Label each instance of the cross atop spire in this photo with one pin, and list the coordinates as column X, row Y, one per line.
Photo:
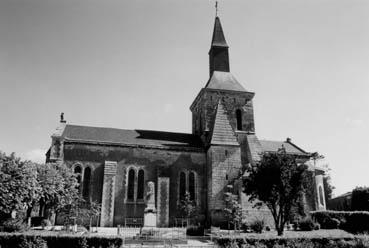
column 216, row 8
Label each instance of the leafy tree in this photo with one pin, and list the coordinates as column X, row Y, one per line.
column 360, row 199
column 278, row 181
column 188, row 207
column 233, row 209
column 59, row 186
column 19, row 186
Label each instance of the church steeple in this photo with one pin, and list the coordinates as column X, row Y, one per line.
column 218, row 54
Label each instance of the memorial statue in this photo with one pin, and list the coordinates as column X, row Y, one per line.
column 150, row 197
column 150, row 210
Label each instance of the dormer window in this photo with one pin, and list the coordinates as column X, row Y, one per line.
column 239, row 119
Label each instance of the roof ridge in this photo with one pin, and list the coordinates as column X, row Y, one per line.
column 123, row 129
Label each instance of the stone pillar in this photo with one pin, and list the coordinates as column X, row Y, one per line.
column 107, row 203
column 163, row 202
column 320, row 192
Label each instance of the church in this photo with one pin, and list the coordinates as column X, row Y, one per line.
column 116, row 165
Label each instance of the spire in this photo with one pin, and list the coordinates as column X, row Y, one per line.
column 218, row 54
column 218, row 39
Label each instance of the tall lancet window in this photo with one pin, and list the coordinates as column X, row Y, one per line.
column 191, row 185
column 86, row 183
column 239, row 119
column 131, row 185
column 182, row 185
column 140, row 185
column 78, row 172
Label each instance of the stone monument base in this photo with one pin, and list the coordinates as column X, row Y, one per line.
column 150, row 219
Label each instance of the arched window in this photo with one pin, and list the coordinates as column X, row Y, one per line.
column 191, row 185
column 321, row 200
column 239, row 119
column 182, row 185
column 78, row 172
column 86, row 183
column 140, row 184
column 131, row 185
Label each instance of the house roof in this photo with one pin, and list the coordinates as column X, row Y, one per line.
column 218, row 39
column 223, row 133
column 116, row 136
column 224, row 81
column 274, row 146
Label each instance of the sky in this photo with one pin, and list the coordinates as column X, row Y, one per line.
column 140, row 64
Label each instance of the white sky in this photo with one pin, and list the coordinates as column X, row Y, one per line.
column 139, row 64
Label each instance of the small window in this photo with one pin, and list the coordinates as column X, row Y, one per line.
column 131, row 185
column 140, row 185
column 239, row 119
column 226, row 153
column 86, row 183
column 227, row 177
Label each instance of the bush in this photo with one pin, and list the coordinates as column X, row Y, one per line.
column 195, row 231
column 34, row 242
column 12, row 240
column 351, row 221
column 45, row 223
column 257, row 226
column 307, row 224
column 14, row 225
column 281, row 242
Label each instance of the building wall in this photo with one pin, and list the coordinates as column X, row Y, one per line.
column 224, row 167
column 154, row 162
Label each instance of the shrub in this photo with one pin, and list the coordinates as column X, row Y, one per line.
column 281, row 242
column 306, row 224
column 34, row 242
column 45, row 223
column 351, row 221
column 195, row 231
column 12, row 240
column 257, row 226
column 14, row 225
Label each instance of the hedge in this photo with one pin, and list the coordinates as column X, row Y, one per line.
column 351, row 221
column 14, row 240
column 355, row 242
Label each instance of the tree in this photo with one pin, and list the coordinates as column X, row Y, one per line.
column 188, row 207
column 360, row 199
column 233, row 209
column 19, row 186
column 59, row 187
column 278, row 181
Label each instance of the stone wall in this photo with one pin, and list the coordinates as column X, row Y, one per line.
column 204, row 110
column 224, row 167
column 155, row 163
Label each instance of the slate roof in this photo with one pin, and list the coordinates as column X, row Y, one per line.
column 224, row 81
column 218, row 39
column 116, row 136
column 273, row 146
column 222, row 133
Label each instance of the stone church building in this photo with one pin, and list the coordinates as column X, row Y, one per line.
column 115, row 164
